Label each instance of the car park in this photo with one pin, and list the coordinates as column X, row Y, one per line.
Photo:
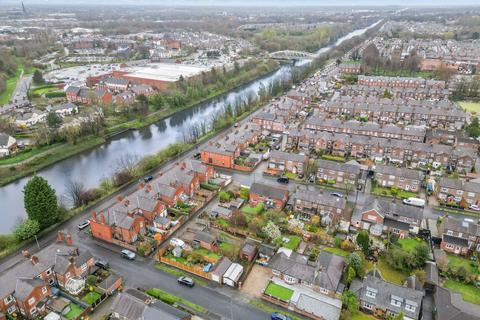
column 127, row 254
column 186, row 281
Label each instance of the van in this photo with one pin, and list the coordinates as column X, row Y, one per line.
column 414, row 202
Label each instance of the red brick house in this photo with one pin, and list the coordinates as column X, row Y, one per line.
column 273, row 197
column 283, row 161
column 117, row 223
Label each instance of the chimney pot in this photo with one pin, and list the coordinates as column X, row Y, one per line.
column 69, row 239
column 94, row 216
column 26, row 253
column 61, row 236
column 102, row 218
column 34, row 259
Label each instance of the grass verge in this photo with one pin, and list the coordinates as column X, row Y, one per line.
column 179, row 273
column 468, row 292
column 270, row 309
column 173, row 299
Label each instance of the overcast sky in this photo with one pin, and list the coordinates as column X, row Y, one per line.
column 255, row 2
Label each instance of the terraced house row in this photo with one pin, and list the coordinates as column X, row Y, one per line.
column 451, row 118
column 400, row 82
column 383, row 150
column 397, row 93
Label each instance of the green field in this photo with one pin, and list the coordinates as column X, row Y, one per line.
column 279, row 292
column 10, row 86
column 45, row 89
column 468, row 292
column 470, row 106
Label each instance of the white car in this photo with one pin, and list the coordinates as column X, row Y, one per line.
column 175, row 242
column 474, row 207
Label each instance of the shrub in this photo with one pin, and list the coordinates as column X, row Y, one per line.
column 209, row 187
column 91, row 280
column 26, row 229
column 244, row 193
column 224, row 196
column 55, row 94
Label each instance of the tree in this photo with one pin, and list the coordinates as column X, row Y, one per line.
column 74, row 192
column 363, row 241
column 26, row 229
column 473, row 129
column 54, row 121
column 356, row 261
column 349, row 299
column 40, row 201
column 351, row 274
column 272, row 231
column 38, row 77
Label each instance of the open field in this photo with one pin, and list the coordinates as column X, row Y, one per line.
column 470, row 106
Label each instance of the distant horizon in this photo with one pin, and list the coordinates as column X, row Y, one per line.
column 251, row 3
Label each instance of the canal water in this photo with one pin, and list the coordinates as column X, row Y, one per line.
column 91, row 166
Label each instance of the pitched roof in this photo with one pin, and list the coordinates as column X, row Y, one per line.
column 294, row 266
column 331, row 270
column 319, row 198
column 462, row 242
column 268, row 191
column 451, row 306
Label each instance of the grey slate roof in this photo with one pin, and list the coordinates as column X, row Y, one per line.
column 320, row 198
column 462, row 242
column 399, row 172
column 336, row 166
column 451, row 306
column 286, row 156
column 322, row 306
column 331, row 269
column 294, row 266
column 385, row 291
column 268, row 191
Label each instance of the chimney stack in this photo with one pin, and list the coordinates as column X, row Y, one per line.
column 94, row 216
column 141, row 185
column 26, row 253
column 34, row 260
column 61, row 236
column 102, row 218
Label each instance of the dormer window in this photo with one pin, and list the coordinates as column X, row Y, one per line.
column 371, row 292
column 396, row 301
column 411, row 305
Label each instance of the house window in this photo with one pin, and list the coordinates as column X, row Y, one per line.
column 12, row 309
column 44, row 290
column 8, row 299
column 323, row 290
column 48, row 272
column 450, row 232
column 410, row 308
column 396, row 301
column 371, row 293
column 31, row 301
column 67, row 275
column 459, row 192
column 368, row 306
column 289, row 279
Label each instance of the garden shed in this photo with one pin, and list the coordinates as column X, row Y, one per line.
column 233, row 274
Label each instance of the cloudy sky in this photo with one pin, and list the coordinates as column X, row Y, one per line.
column 254, row 2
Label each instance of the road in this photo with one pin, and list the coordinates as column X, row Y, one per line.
column 19, row 95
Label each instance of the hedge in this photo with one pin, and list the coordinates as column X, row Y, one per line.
column 55, row 94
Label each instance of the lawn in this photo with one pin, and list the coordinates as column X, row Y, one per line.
column 468, row 292
column 408, row 244
column 225, row 246
column 455, row 261
column 361, row 316
column 470, row 106
column 279, row 292
column 337, row 251
column 293, row 242
column 208, row 253
column 253, row 210
column 388, row 192
column 178, row 273
column 74, row 312
column 291, row 175
column 176, row 259
column 390, row 274
column 91, row 297
column 172, row 299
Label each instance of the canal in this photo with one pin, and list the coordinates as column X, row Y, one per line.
column 91, row 166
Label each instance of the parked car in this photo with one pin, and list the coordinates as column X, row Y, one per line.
column 84, row 224
column 474, row 207
column 186, row 281
column 283, row 180
column 102, row 264
column 175, row 242
column 414, row 202
column 148, row 179
column 197, row 156
column 279, row 316
column 127, row 254
column 336, row 194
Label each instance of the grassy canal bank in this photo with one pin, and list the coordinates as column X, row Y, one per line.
column 28, row 162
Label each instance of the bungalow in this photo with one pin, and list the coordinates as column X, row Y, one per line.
column 400, row 178
column 8, row 145
column 274, row 197
column 290, row 162
column 460, row 236
column 378, row 215
column 205, row 240
column 307, row 203
column 64, row 109
column 322, row 275
column 384, row 299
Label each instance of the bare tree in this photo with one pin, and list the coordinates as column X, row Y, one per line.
column 127, row 163
column 74, row 191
